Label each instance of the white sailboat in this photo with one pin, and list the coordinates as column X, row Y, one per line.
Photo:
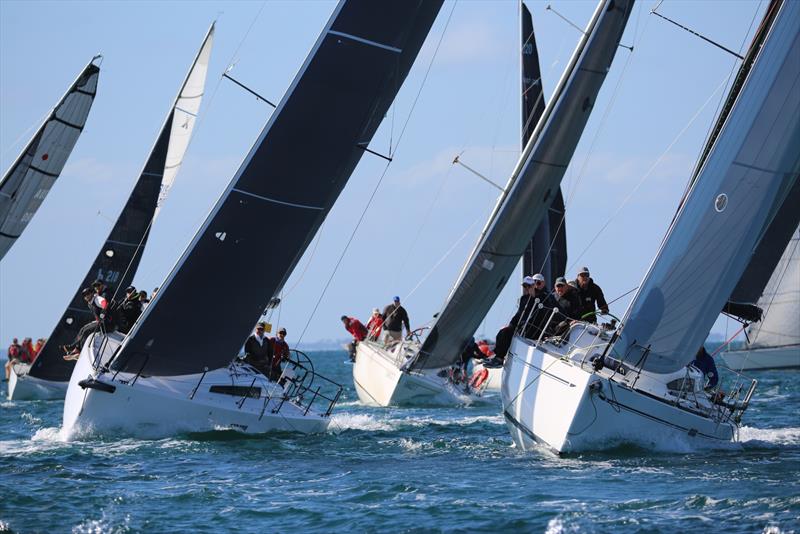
column 417, row 372
column 596, row 387
column 160, row 377
column 774, row 342
column 118, row 259
column 29, row 179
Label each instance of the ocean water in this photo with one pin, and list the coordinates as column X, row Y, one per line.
column 406, row 470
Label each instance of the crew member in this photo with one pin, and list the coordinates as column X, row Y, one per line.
column 258, row 351
column 14, row 351
column 590, row 296
column 73, row 349
column 565, row 298
column 506, row 334
column 357, row 330
column 280, row 353
column 374, row 325
column 395, row 318
column 705, row 364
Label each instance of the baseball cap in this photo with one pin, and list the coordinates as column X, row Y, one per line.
column 584, row 270
column 561, row 281
column 528, row 281
column 538, row 277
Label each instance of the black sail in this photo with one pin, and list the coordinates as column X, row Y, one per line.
column 547, row 250
column 282, row 192
column 118, row 260
column 29, row 179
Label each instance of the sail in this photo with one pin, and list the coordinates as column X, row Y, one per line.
column 764, row 260
column 539, row 257
column 780, row 301
column 746, row 176
column 279, row 197
column 27, row 182
column 119, row 257
column 530, row 190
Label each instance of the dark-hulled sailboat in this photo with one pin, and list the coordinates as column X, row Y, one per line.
column 160, row 377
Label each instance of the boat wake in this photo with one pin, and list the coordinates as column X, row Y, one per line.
column 751, row 437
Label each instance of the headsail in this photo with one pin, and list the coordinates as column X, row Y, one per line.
column 749, row 171
column 530, row 190
column 119, row 257
column 781, row 303
column 264, row 221
column 547, row 249
column 27, row 182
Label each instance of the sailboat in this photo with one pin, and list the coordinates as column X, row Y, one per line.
column 546, row 252
column 160, row 377
column 595, row 386
column 118, row 259
column 774, row 342
column 416, row 372
column 28, row 181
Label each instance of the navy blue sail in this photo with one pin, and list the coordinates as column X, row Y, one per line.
column 118, row 260
column 283, row 191
column 547, row 250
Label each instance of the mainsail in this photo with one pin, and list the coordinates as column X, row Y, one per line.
column 287, row 184
column 547, row 250
column 749, row 171
column 119, row 257
column 530, row 190
column 781, row 303
column 29, row 179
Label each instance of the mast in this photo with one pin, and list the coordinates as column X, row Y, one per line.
column 530, row 190
column 547, row 250
column 29, row 179
column 748, row 173
column 279, row 197
column 118, row 259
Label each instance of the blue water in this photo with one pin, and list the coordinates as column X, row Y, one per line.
column 415, row 470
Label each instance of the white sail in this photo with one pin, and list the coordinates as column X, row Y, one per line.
column 186, row 108
column 780, row 301
column 751, row 168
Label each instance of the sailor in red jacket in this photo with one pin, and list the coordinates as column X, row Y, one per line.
column 280, row 353
column 358, row 331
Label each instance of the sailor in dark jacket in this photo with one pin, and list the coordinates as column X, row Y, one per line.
column 704, row 362
column 129, row 311
column 258, row 350
column 590, row 296
column 565, row 298
column 526, row 309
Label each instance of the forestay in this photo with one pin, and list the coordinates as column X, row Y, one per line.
column 547, row 250
column 745, row 178
column 118, row 259
column 27, row 182
column 263, row 222
column 530, row 190
column 781, row 302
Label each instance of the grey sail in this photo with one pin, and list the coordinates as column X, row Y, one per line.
column 279, row 197
column 547, row 250
column 748, row 173
column 118, row 259
column 530, row 190
column 27, row 182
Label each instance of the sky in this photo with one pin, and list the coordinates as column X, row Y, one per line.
column 621, row 189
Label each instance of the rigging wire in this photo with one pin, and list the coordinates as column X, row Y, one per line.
column 380, row 180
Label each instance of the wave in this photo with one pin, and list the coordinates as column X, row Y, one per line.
column 770, row 437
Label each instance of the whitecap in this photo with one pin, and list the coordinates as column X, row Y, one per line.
column 750, row 436
column 357, row 421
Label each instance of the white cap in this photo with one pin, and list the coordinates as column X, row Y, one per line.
column 375, row 310
column 538, row 277
column 528, row 281
column 584, row 270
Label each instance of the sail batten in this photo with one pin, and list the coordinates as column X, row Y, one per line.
column 303, row 157
column 118, row 259
column 46, row 154
column 746, row 176
column 529, row 195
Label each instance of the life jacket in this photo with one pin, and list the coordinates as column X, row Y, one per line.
column 478, row 378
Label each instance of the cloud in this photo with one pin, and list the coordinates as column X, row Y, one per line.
column 469, row 42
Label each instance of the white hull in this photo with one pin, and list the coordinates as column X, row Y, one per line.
column 159, row 406
column 494, row 382
column 551, row 399
column 749, row 360
column 379, row 381
column 22, row 386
